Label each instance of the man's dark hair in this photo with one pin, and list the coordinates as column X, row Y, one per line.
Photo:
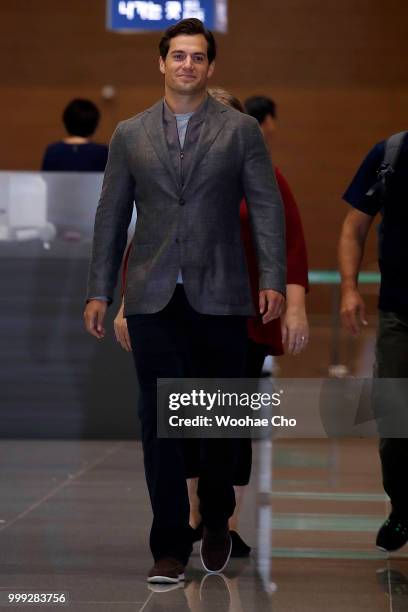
column 189, row 27
column 260, row 107
column 81, row 118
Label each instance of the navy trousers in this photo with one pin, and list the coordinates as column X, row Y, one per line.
column 179, row 342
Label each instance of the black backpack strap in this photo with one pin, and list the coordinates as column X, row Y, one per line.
column 392, row 150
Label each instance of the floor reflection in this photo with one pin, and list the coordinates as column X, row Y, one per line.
column 74, row 518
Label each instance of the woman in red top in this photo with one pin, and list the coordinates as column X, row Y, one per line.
column 263, row 339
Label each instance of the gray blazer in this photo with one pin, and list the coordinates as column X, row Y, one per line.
column 194, row 227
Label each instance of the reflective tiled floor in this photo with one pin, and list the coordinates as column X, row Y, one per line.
column 74, row 518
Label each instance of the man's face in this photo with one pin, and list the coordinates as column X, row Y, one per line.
column 268, row 127
column 186, row 69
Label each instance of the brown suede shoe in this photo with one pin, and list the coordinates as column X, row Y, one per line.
column 167, row 570
column 215, row 549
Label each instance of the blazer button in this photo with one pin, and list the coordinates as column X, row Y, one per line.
column 182, row 202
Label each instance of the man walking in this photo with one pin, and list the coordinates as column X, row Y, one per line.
column 369, row 195
column 186, row 162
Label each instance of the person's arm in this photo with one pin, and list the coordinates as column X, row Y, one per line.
column 350, row 253
column 353, row 237
column 294, row 324
column 267, row 222
column 125, row 267
column 120, row 324
column 121, row 329
column 112, row 219
column 296, row 253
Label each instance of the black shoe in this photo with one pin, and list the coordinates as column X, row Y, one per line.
column 239, row 548
column 393, row 534
column 197, row 533
column 215, row 548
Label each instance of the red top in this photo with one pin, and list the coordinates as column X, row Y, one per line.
column 296, row 266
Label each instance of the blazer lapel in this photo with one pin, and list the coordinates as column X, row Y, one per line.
column 213, row 124
column 153, row 124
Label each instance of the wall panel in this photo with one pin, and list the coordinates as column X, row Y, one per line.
column 338, row 71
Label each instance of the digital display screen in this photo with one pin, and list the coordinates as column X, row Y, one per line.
column 146, row 15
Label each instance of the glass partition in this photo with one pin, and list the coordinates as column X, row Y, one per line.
column 53, row 379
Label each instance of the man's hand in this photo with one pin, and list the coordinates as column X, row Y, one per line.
column 271, row 304
column 94, row 316
column 121, row 330
column 352, row 311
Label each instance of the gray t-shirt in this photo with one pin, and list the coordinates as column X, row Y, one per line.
column 182, row 123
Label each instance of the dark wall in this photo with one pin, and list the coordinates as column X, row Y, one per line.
column 338, row 71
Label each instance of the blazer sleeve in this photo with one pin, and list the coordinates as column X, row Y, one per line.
column 296, row 254
column 112, row 219
column 265, row 210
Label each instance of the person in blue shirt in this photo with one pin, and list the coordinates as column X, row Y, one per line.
column 76, row 152
column 392, row 338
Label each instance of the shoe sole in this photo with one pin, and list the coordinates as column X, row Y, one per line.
column 212, row 571
column 389, row 550
column 165, row 579
column 164, row 588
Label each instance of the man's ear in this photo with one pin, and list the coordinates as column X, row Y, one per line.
column 162, row 67
column 211, row 69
